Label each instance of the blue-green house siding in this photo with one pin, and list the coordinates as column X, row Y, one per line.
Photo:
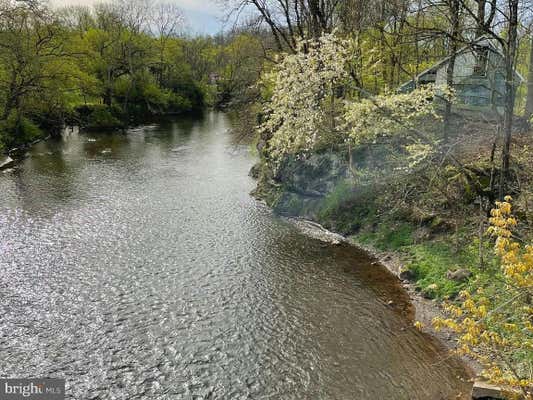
column 480, row 85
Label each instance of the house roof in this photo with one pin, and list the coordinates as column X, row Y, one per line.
column 468, row 47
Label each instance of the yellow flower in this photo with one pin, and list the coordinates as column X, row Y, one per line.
column 486, row 330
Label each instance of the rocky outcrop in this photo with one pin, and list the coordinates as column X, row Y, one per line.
column 406, row 275
column 6, row 162
column 317, row 231
column 484, row 391
column 305, row 183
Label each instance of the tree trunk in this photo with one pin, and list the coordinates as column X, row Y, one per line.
column 480, row 31
column 108, row 95
column 510, row 90
column 417, row 35
column 484, row 20
column 529, row 102
column 107, row 99
column 454, row 11
column 316, row 18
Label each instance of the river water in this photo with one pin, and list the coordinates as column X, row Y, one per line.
column 138, row 267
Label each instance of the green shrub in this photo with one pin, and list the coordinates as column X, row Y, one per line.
column 103, row 119
column 347, row 208
column 99, row 117
column 333, row 201
column 430, row 262
column 156, row 97
column 18, row 130
column 387, row 236
column 188, row 94
column 179, row 103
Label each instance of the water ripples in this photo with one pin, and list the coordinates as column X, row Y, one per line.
column 147, row 272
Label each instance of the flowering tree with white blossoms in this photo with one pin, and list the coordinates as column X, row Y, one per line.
column 386, row 114
column 305, row 112
column 391, row 114
column 304, row 83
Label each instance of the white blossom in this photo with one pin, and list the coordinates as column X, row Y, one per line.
column 301, row 84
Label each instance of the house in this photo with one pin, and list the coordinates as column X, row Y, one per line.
column 478, row 79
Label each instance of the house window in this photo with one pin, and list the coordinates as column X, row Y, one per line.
column 482, row 57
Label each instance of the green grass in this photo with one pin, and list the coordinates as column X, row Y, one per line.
column 346, row 209
column 430, row 260
column 387, row 236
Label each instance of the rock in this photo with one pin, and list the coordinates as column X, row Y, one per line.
column 486, row 391
column 261, row 145
column 17, row 152
column 406, row 274
column 307, row 181
column 317, row 231
column 7, row 162
column 421, row 234
column 255, row 171
column 460, row 275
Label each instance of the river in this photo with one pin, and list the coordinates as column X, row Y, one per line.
column 138, row 267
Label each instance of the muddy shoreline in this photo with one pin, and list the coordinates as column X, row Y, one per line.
column 424, row 309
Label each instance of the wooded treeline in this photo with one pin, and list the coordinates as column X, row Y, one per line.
column 394, row 41
column 118, row 63
column 400, row 38
column 110, row 66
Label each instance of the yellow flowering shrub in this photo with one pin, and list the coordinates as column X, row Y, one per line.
column 495, row 325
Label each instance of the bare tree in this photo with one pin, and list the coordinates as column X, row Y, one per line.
column 484, row 20
column 454, row 7
column 510, row 91
column 136, row 15
column 291, row 20
column 529, row 101
column 166, row 23
column 503, row 28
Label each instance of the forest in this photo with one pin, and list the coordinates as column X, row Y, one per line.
column 109, row 66
column 402, row 124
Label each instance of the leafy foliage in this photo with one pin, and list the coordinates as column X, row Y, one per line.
column 496, row 326
column 388, row 113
